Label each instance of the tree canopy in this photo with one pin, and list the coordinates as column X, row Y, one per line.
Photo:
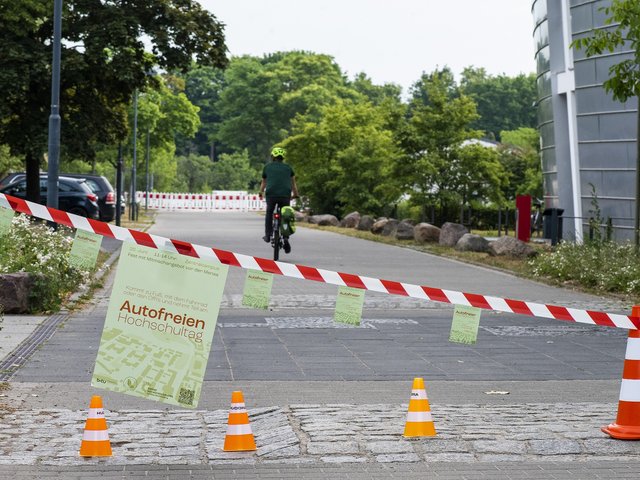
column 104, row 60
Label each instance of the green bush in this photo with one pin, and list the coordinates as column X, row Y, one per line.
column 33, row 247
column 606, row 266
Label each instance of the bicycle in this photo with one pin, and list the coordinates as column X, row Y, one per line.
column 276, row 238
column 536, row 217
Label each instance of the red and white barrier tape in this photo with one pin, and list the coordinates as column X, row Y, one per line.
column 319, row 275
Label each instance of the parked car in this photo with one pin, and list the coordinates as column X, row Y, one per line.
column 74, row 195
column 98, row 185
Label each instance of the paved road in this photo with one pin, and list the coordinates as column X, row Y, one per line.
column 294, row 366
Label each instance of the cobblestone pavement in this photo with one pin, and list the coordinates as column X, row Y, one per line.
column 324, row 434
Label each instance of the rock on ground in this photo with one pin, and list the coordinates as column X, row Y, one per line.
column 450, row 233
column 512, row 247
column 350, row 221
column 425, row 232
column 470, row 242
column 404, row 231
column 365, row 223
column 14, row 292
column 324, row 220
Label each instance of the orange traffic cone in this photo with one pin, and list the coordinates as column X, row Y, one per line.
column 627, row 426
column 239, row 435
column 95, row 441
column 419, row 421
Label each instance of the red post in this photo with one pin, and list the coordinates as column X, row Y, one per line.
column 523, row 206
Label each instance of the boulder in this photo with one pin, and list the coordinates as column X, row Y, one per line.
column 404, row 231
column 324, row 220
column 378, row 225
column 425, row 232
column 14, row 291
column 365, row 223
column 450, row 233
column 390, row 227
column 350, row 221
column 470, row 242
column 411, row 221
column 301, row 217
column 512, row 247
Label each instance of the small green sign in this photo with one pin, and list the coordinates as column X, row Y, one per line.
column 349, row 306
column 6, row 217
column 85, row 249
column 257, row 289
column 464, row 328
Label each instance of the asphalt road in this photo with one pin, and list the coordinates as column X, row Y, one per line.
column 399, row 339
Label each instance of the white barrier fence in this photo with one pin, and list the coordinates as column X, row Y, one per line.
column 215, row 201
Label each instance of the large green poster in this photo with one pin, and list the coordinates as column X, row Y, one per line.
column 159, row 327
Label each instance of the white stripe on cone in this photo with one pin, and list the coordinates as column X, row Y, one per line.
column 418, row 395
column 630, row 390
column 633, row 349
column 96, row 413
column 95, row 435
column 419, row 417
column 239, row 430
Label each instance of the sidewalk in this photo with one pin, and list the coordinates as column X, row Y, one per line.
column 312, row 429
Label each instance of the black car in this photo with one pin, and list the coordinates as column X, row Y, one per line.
column 98, row 185
column 103, row 189
column 74, row 195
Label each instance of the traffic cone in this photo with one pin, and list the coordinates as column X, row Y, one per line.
column 239, row 435
column 627, row 426
column 419, row 421
column 95, row 441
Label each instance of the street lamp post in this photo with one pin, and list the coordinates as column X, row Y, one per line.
column 132, row 213
column 146, row 202
column 54, row 117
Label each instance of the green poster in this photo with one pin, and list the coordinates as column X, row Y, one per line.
column 85, row 249
column 257, row 289
column 6, row 217
column 159, row 326
column 464, row 328
column 349, row 306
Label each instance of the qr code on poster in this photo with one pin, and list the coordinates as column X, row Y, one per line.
column 186, row 396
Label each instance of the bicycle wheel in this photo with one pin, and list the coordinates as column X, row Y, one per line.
column 276, row 243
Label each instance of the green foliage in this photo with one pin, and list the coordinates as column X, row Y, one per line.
column 608, row 267
column 624, row 18
column 104, row 61
column 262, row 96
column 343, row 161
column 33, row 247
column 503, row 103
column 434, row 170
column 234, row 172
column 520, row 156
column 8, row 162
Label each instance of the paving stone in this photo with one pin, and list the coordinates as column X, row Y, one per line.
column 323, row 448
column 398, row 457
column 343, row 459
column 498, row 446
column 554, row 447
column 389, row 447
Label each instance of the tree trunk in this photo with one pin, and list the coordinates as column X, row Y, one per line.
column 32, row 170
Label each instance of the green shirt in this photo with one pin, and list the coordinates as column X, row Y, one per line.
column 278, row 176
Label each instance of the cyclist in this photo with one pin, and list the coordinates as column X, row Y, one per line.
column 279, row 184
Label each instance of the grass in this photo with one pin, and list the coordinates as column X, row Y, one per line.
column 519, row 267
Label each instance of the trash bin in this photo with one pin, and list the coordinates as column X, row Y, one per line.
column 552, row 224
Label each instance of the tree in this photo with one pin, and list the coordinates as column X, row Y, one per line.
column 343, row 161
column 503, row 103
column 439, row 118
column 104, row 61
column 624, row 77
column 203, row 86
column 262, row 95
column 234, row 172
column 520, row 156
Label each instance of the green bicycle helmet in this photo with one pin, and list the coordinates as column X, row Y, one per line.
column 278, row 152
